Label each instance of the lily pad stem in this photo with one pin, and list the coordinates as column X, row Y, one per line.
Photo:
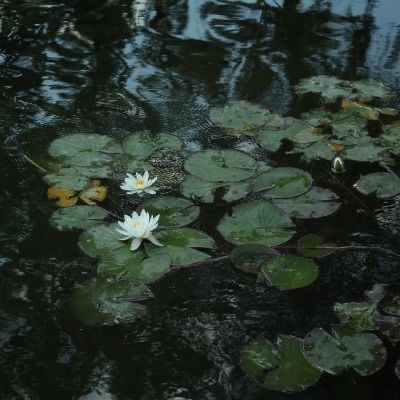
column 35, row 164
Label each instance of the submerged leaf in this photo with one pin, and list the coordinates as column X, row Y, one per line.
column 256, row 222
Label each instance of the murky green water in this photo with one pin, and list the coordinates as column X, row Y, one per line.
column 112, row 67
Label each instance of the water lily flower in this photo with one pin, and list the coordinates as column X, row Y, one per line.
column 338, row 165
column 139, row 227
column 139, row 184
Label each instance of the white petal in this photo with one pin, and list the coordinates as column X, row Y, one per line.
column 150, row 191
column 130, row 176
column 135, row 244
column 153, row 180
column 146, row 176
column 153, row 240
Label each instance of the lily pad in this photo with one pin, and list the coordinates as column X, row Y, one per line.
column 173, row 211
column 383, row 184
column 100, row 240
column 141, row 145
column 78, row 217
column 84, row 150
column 347, row 123
column 315, row 151
column 372, row 89
column 283, row 369
column 249, row 258
column 391, row 139
column 133, row 264
column 241, row 116
column 236, row 191
column 256, row 222
column 313, row 245
column 344, row 349
column 287, row 272
column 283, row 182
column 316, row 203
column 197, row 189
column 368, row 153
column 179, row 245
column 104, row 302
column 328, row 87
column 74, row 178
column 221, row 165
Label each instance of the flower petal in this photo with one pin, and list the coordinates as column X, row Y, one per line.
column 135, row 244
column 154, row 240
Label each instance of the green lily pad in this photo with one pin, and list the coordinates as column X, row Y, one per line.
column 287, row 272
column 372, row 89
column 318, row 117
column 344, row 349
column 141, row 145
column 173, row 211
column 315, row 151
column 179, row 245
column 100, row 240
column 78, row 217
column 124, row 163
column 104, row 302
column 328, row 87
column 197, row 189
column 313, row 245
column 74, row 178
column 271, row 140
column 346, row 123
column 241, row 116
column 236, row 191
column 249, row 258
column 221, row 165
column 383, row 184
column 283, row 182
column 391, row 139
column 316, row 203
column 256, row 222
column 84, row 150
column 133, row 264
column 283, row 369
column 368, row 153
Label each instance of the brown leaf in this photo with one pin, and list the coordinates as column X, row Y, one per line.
column 337, row 147
column 63, row 197
column 95, row 193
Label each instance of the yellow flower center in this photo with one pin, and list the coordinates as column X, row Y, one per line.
column 140, row 182
column 136, row 224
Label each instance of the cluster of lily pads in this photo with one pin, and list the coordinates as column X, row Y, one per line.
column 267, row 202
column 293, row 364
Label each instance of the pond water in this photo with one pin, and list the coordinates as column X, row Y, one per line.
column 114, row 67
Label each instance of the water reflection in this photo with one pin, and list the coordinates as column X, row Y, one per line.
column 115, row 66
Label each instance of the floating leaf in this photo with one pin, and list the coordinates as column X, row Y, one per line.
column 344, row 349
column 383, row 184
column 328, row 87
column 312, row 245
column 316, row 203
column 243, row 117
column 318, row 117
column 249, row 258
column 84, row 150
column 391, row 139
column 368, row 153
column 195, row 188
column 372, row 89
column 287, row 272
column 337, row 147
column 133, row 264
column 316, row 151
column 284, row 369
column 104, row 302
column 348, row 123
column 141, row 145
column 179, row 245
column 78, row 217
column 236, row 191
column 369, row 112
column 63, row 197
column 221, row 165
column 256, row 222
column 173, row 211
column 283, row 182
column 96, row 193
column 100, row 240
column 75, row 178
column 308, row 135
column 271, row 140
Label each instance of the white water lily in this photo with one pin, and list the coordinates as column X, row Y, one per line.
column 139, row 184
column 139, row 227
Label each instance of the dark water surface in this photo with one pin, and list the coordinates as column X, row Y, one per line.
column 112, row 67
